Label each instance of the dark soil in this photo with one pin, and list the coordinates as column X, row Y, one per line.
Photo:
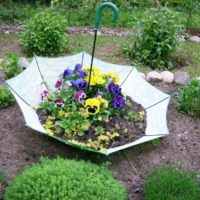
column 129, row 131
column 21, row 146
column 194, row 32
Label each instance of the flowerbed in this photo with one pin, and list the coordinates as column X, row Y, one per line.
column 91, row 111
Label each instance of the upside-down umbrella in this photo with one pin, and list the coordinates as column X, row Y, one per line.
column 43, row 73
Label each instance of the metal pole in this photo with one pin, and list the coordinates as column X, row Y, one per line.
column 93, row 52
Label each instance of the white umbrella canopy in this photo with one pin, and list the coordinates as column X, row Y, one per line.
column 43, row 72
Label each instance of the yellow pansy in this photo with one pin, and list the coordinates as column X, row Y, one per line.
column 92, row 106
column 103, row 102
column 95, row 70
column 112, row 75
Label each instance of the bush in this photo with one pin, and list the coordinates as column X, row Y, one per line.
column 10, row 65
column 171, row 184
column 188, row 99
column 6, row 98
column 44, row 34
column 61, row 179
column 155, row 39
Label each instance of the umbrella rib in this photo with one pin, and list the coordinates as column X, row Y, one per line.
column 157, row 103
column 126, row 77
column 41, row 74
column 19, row 96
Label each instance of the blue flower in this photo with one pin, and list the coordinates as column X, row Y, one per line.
column 68, row 72
column 114, row 89
column 80, row 83
column 78, row 67
column 118, row 102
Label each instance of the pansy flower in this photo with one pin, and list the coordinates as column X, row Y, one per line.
column 78, row 67
column 44, row 94
column 58, row 84
column 80, row 84
column 114, row 89
column 80, row 96
column 118, row 102
column 68, row 72
column 92, row 106
column 59, row 102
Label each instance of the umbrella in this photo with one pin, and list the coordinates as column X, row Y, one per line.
column 43, row 73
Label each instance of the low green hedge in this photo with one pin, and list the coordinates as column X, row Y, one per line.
column 61, row 179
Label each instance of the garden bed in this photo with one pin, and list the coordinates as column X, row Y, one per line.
column 181, row 148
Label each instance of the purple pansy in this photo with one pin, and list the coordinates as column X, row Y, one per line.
column 78, row 67
column 59, row 102
column 44, row 94
column 58, row 84
column 68, row 72
column 82, row 74
column 80, row 83
column 80, row 96
column 114, row 89
column 118, row 102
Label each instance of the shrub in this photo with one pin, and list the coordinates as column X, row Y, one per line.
column 171, row 184
column 44, row 34
column 2, row 177
column 6, row 98
column 65, row 179
column 155, row 39
column 10, row 65
column 188, row 99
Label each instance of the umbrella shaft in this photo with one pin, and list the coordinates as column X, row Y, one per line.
column 93, row 51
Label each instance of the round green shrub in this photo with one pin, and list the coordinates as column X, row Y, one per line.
column 155, row 39
column 6, row 98
column 44, row 34
column 61, row 179
column 188, row 99
column 171, row 184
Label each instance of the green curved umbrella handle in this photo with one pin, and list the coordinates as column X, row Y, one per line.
column 100, row 11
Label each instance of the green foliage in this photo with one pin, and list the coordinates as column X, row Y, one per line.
column 171, row 184
column 155, row 39
column 61, row 179
column 44, row 34
column 10, row 65
column 188, row 99
column 6, row 98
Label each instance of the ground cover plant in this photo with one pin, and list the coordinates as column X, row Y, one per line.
column 44, row 34
column 6, row 98
column 188, row 99
column 91, row 112
column 65, row 179
column 10, row 65
column 155, row 39
column 169, row 183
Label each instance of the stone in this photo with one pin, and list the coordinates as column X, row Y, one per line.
column 195, row 39
column 182, row 39
column 181, row 77
column 23, row 62
column 153, row 76
column 142, row 75
column 198, row 78
column 167, row 77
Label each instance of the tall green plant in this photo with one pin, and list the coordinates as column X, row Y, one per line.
column 44, row 34
column 155, row 39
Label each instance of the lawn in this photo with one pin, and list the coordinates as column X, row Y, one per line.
column 109, row 49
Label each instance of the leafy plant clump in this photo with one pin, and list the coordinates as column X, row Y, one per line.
column 65, row 179
column 10, row 65
column 155, row 39
column 44, row 34
column 78, row 112
column 171, row 184
column 188, row 99
column 6, row 98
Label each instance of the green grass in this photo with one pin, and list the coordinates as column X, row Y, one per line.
column 190, row 52
column 108, row 49
column 171, row 184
